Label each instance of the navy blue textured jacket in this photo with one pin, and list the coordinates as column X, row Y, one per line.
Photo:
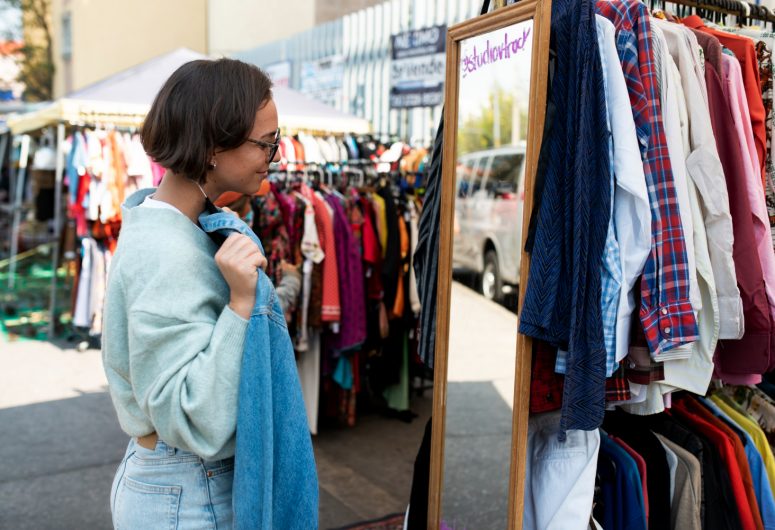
column 562, row 298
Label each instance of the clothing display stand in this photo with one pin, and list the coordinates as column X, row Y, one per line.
column 22, row 135
column 18, row 179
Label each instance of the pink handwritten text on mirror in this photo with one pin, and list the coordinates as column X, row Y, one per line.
column 494, row 53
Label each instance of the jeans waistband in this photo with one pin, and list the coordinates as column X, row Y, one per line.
column 167, row 452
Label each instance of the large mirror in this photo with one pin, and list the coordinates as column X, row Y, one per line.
column 490, row 117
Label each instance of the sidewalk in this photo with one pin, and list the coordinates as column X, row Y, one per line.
column 61, row 444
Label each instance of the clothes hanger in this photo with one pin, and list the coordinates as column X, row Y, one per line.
column 744, row 19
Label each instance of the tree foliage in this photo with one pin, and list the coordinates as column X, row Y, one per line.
column 477, row 132
column 37, row 67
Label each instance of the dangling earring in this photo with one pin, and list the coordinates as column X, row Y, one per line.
column 209, row 206
column 202, row 190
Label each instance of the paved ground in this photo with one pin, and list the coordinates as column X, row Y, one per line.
column 480, row 396
column 60, row 442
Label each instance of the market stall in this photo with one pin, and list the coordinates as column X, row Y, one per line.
column 120, row 103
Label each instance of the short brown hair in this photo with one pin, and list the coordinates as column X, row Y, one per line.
column 205, row 105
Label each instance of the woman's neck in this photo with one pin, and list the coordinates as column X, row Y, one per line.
column 184, row 194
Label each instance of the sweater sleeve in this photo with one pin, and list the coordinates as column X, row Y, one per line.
column 288, row 291
column 185, row 377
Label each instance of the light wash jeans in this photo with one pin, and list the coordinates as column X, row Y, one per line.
column 169, row 488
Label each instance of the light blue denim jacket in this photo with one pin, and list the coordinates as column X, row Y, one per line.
column 275, row 480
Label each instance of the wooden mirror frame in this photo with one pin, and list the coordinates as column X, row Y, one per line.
column 540, row 12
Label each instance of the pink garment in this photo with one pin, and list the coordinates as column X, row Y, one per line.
column 158, row 172
column 762, row 235
column 641, row 470
column 732, row 73
column 737, row 379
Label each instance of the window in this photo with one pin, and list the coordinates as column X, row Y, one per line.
column 67, row 36
column 479, row 174
column 504, row 175
column 465, row 170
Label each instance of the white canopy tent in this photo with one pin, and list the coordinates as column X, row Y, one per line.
column 123, row 99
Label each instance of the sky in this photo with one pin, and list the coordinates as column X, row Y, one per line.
column 512, row 74
column 10, row 22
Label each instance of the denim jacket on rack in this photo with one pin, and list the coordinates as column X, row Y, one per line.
column 275, row 480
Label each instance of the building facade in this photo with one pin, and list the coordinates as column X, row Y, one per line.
column 95, row 39
column 347, row 62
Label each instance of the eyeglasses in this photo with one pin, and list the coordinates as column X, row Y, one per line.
column 269, row 148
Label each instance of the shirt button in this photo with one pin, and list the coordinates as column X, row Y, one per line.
column 664, row 311
column 667, row 330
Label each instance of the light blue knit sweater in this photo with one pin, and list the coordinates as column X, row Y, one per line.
column 172, row 347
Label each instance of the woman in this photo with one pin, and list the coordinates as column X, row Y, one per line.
column 177, row 304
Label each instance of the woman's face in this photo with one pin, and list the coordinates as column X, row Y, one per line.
column 244, row 169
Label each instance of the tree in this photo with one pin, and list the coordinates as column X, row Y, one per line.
column 37, row 68
column 477, row 132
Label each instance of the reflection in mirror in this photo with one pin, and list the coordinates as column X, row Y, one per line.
column 494, row 91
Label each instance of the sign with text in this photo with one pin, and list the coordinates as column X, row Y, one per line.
column 504, row 45
column 322, row 79
column 417, row 68
column 279, row 73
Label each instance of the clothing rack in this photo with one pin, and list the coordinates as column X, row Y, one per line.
column 741, row 9
column 92, row 119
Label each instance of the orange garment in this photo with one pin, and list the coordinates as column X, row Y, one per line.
column 118, row 185
column 398, row 305
column 227, row 198
column 744, row 50
column 299, row 153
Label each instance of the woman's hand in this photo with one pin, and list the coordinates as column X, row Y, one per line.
column 289, row 268
column 238, row 260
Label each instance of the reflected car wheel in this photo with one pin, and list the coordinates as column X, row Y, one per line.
column 492, row 284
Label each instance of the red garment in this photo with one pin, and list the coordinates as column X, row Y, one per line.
column 725, row 448
column 372, row 253
column 617, row 387
column 641, row 470
column 745, row 51
column 751, row 354
column 742, row 459
column 76, row 210
column 546, row 385
column 332, row 308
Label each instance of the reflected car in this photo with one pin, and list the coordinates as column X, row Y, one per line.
column 488, row 218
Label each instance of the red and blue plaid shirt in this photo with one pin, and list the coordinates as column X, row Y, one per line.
column 665, row 311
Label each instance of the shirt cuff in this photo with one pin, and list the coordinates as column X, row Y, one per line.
column 669, row 325
column 731, row 320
